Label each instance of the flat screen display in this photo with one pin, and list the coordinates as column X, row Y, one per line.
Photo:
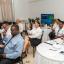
column 47, row 18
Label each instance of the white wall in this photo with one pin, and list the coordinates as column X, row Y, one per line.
column 24, row 9
column 47, row 6
column 0, row 15
column 21, row 9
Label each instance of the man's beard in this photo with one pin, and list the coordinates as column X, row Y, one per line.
column 14, row 34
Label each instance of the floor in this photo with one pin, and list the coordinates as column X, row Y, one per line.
column 29, row 59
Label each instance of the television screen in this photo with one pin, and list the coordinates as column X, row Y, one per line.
column 47, row 18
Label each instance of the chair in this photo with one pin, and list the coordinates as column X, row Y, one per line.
column 34, row 46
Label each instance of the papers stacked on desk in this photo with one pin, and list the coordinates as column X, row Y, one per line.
column 55, row 41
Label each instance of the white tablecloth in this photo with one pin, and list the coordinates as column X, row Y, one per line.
column 48, row 54
column 46, row 32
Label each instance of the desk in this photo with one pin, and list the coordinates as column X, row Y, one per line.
column 44, row 54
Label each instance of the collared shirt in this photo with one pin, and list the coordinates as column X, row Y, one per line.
column 14, row 48
column 60, row 32
column 36, row 33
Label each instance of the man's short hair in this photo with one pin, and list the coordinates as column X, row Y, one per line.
column 16, row 26
column 6, row 22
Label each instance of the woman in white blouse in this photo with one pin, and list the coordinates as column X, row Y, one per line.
column 36, row 32
column 33, row 34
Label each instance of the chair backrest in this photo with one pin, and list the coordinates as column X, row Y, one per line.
column 52, row 35
column 41, row 36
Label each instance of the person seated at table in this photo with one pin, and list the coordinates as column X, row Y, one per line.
column 60, row 32
column 54, row 28
column 13, row 46
column 6, row 28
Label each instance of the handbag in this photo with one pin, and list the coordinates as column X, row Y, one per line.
column 52, row 35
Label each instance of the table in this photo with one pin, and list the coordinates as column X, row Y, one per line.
column 46, row 32
column 47, row 54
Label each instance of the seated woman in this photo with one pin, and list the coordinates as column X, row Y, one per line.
column 33, row 35
column 54, row 29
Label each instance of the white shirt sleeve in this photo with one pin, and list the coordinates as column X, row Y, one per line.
column 36, row 34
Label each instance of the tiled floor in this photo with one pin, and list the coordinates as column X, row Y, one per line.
column 29, row 59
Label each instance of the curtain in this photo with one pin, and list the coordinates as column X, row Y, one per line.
column 6, row 10
column 0, row 14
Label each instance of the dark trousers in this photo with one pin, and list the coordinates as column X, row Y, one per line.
column 6, row 61
column 9, row 61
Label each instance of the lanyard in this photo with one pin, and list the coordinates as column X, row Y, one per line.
column 8, row 42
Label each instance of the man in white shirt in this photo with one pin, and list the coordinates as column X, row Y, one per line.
column 6, row 29
column 59, row 29
column 60, row 32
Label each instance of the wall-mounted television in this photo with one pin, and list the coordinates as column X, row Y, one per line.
column 47, row 18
